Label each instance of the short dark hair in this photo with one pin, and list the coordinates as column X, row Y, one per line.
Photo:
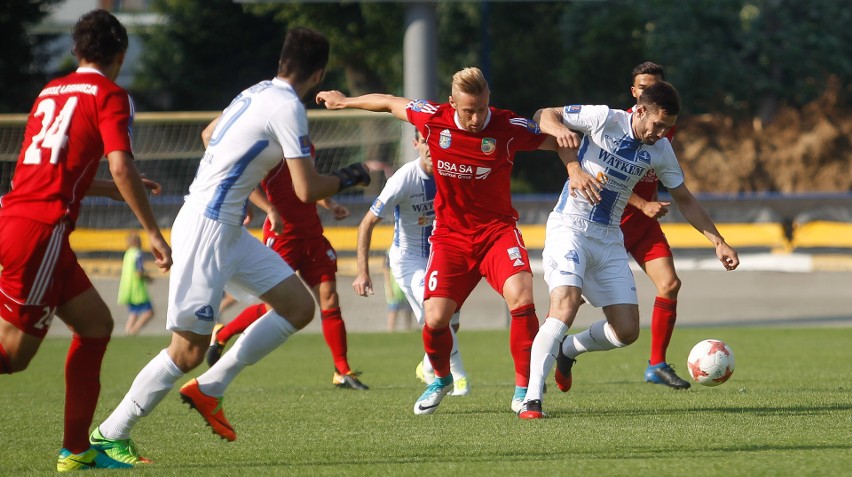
column 98, row 37
column 661, row 95
column 304, row 52
column 649, row 68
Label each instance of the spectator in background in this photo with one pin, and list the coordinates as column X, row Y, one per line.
column 133, row 287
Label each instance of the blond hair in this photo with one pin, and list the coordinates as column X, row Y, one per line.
column 470, row 80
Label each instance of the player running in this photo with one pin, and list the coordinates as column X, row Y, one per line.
column 475, row 234
column 409, row 194
column 294, row 231
column 75, row 121
column 584, row 254
column 647, row 244
column 262, row 125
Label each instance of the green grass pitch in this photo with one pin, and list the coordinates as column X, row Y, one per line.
column 787, row 410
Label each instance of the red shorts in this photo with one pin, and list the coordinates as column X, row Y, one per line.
column 457, row 262
column 644, row 239
column 40, row 273
column 314, row 258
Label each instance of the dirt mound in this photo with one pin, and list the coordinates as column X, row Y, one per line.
column 800, row 150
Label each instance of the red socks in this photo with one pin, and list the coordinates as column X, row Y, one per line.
column 334, row 332
column 438, row 343
column 662, row 325
column 522, row 332
column 241, row 322
column 82, row 387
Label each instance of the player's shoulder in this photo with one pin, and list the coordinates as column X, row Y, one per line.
column 510, row 120
column 425, row 106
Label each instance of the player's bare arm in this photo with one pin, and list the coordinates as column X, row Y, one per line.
column 550, row 122
column 107, row 188
column 259, row 199
column 698, row 217
column 339, row 212
column 362, row 284
column 208, row 131
column 384, row 103
column 129, row 183
column 652, row 209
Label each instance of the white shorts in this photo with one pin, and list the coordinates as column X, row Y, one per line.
column 208, row 256
column 588, row 256
column 410, row 275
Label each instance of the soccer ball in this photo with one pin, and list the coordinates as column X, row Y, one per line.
column 711, row 362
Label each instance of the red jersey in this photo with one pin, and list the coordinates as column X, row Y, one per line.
column 646, row 188
column 75, row 121
column 473, row 170
column 300, row 219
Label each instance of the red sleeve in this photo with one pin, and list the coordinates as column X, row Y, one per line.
column 114, row 122
column 419, row 111
column 528, row 136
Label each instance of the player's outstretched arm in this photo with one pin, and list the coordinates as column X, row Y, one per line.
column 376, row 102
column 698, row 217
column 132, row 189
column 362, row 284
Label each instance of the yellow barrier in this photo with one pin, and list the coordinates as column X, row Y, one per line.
column 344, row 239
column 823, row 234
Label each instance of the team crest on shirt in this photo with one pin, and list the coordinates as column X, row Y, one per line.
column 489, row 145
column 445, row 139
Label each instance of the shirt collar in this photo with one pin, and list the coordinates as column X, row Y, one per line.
column 89, row 69
column 458, row 124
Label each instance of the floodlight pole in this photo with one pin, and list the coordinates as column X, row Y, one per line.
column 420, row 64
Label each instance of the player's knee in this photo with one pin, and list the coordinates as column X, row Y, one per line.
column 670, row 288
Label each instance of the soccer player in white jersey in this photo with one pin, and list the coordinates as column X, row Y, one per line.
column 409, row 194
column 583, row 250
column 262, row 125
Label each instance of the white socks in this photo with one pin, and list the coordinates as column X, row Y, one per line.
column 543, row 355
column 149, row 388
column 599, row 337
column 258, row 340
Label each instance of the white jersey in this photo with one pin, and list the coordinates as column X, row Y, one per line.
column 609, row 148
column 410, row 193
column 263, row 125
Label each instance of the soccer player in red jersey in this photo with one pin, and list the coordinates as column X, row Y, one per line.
column 475, row 235
column 75, row 121
column 293, row 229
column 647, row 244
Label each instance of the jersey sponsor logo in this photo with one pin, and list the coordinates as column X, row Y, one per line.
column 445, row 139
column 572, row 255
column 573, row 109
column 305, row 145
column 427, row 206
column 482, row 172
column 489, row 145
column 205, row 313
column 425, row 220
column 514, row 253
column 456, row 171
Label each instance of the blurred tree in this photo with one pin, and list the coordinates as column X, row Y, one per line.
column 23, row 56
column 206, row 52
